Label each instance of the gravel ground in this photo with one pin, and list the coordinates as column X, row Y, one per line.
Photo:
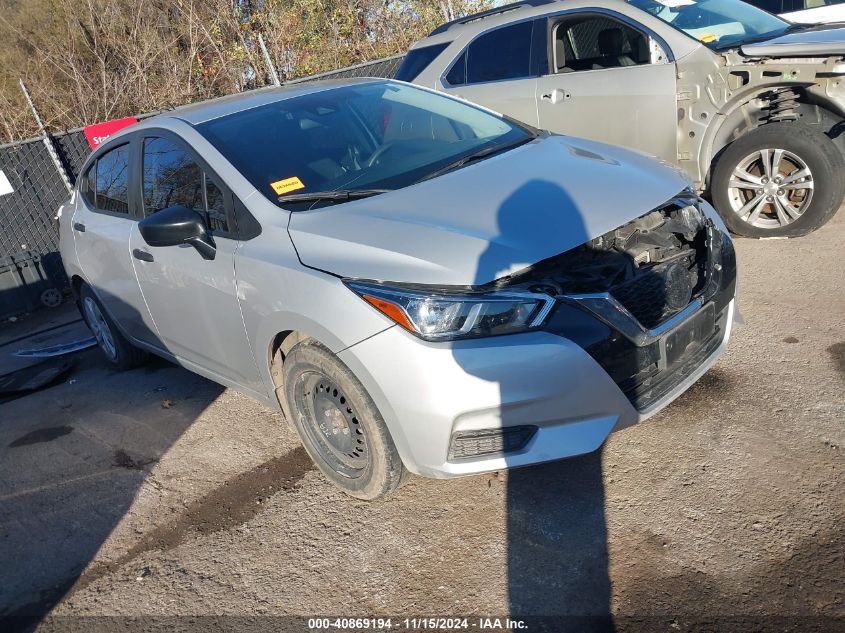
column 156, row 492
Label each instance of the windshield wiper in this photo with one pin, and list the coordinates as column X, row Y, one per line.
column 816, row 26
column 338, row 195
column 464, row 160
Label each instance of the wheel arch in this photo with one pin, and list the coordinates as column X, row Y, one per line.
column 745, row 114
column 76, row 283
column 279, row 348
column 277, row 335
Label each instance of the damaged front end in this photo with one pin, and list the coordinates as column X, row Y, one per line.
column 648, row 301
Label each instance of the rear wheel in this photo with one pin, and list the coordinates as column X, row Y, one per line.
column 116, row 348
column 339, row 424
column 783, row 179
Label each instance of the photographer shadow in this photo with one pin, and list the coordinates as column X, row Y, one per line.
column 557, row 553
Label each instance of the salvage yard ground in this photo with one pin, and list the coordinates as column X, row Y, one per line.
column 157, row 492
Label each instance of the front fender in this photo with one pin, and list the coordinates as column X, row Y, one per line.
column 278, row 294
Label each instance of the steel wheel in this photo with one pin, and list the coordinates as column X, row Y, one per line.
column 770, row 188
column 338, row 423
column 99, row 327
column 332, row 424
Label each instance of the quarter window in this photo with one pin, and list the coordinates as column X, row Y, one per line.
column 418, row 60
column 88, row 187
column 215, row 206
column 501, row 54
column 172, row 177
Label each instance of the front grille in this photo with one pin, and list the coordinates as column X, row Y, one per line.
column 645, row 298
column 653, row 266
column 656, row 293
column 490, row 442
column 641, row 370
column 644, row 391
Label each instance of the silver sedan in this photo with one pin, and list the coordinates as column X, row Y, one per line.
column 421, row 285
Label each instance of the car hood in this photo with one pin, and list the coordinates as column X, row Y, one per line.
column 489, row 219
column 819, row 41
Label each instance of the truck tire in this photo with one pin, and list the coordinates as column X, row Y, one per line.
column 780, row 180
column 118, row 351
column 339, row 424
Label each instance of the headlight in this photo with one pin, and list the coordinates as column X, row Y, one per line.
column 440, row 314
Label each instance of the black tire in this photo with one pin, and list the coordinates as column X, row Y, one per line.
column 118, row 351
column 820, row 155
column 349, row 442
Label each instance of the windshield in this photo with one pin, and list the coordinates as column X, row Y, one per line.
column 368, row 136
column 717, row 23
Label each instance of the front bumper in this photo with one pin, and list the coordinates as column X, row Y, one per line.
column 427, row 392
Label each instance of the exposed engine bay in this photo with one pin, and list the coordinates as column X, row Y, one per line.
column 654, row 266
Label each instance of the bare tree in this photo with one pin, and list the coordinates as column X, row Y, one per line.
column 92, row 60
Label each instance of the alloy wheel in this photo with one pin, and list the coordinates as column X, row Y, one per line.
column 771, row 188
column 99, row 327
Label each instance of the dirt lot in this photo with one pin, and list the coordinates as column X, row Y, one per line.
column 158, row 492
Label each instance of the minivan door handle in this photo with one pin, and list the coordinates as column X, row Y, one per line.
column 78, row 226
column 144, row 256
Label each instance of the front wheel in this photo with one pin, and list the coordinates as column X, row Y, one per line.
column 339, row 424
column 780, row 180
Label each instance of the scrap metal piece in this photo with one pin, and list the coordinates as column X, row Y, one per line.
column 57, row 350
column 34, row 377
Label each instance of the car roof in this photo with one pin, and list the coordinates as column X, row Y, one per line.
column 203, row 111
column 514, row 11
column 464, row 29
column 505, row 8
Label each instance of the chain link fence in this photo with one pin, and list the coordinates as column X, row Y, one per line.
column 28, row 232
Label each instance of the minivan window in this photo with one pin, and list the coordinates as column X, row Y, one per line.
column 504, row 53
column 111, row 183
column 378, row 135
column 418, row 60
column 172, row 177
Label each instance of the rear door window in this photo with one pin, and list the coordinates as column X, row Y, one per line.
column 171, row 177
column 106, row 183
column 501, row 54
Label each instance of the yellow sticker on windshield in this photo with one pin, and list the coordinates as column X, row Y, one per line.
column 287, row 185
column 707, row 38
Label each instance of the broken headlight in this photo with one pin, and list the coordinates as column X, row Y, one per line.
column 440, row 314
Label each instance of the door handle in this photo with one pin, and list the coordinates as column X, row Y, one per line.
column 78, row 226
column 144, row 256
column 556, row 96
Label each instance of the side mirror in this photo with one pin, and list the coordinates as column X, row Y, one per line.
column 178, row 225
